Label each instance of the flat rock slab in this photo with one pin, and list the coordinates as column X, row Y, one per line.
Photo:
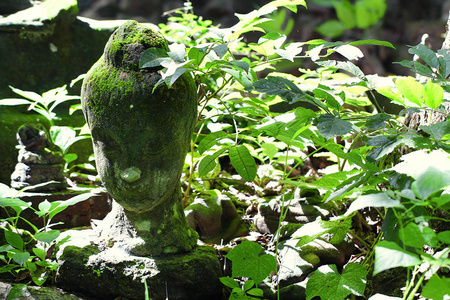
column 113, row 273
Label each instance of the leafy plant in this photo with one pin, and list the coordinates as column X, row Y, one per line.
column 362, row 14
column 26, row 254
column 346, row 121
column 247, row 262
column 45, row 104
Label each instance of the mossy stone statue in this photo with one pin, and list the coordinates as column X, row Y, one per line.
column 140, row 141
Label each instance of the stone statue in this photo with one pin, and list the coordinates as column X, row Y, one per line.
column 38, row 162
column 140, row 141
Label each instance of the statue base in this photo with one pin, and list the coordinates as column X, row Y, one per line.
column 113, row 273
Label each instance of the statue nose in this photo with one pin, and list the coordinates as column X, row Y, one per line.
column 131, row 174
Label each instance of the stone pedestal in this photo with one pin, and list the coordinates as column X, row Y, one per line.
column 113, row 273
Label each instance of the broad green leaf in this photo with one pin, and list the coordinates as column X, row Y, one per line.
column 372, row 42
column 14, row 239
column 244, row 78
column 270, row 150
column 446, row 61
column 426, row 54
column 410, row 89
column 327, row 283
column 59, row 206
column 210, row 140
column 256, row 292
column 438, row 130
column 243, row 162
column 221, row 50
column 436, row 288
column 329, row 98
column 247, row 261
column 229, row 282
column 152, row 57
column 17, row 291
column 377, row 121
column 430, row 182
column 208, row 163
column 330, row 126
column 14, row 202
column 345, row 12
column 372, row 200
column 444, row 236
column 416, row 236
column 40, row 253
column 331, row 28
column 21, row 257
column 389, row 255
column 433, row 94
column 64, row 137
column 47, row 236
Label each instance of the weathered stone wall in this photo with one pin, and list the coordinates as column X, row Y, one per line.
column 42, row 50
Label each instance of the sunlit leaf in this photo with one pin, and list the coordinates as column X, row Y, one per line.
column 372, row 200
column 247, row 261
column 389, row 255
column 243, row 162
column 433, row 94
column 327, row 283
column 410, row 89
column 152, row 57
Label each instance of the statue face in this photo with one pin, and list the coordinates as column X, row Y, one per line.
column 139, row 163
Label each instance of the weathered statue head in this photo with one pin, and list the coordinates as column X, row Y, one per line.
column 140, row 137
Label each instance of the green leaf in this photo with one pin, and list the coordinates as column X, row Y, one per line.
column 17, row 291
column 47, row 236
column 345, row 12
column 438, row 130
column 372, row 200
column 330, row 126
column 433, row 94
column 331, row 28
column 210, row 140
column 327, row 283
column 329, row 98
column 40, row 253
column 430, row 182
column 21, row 257
column 377, row 121
column 221, row 50
column 410, row 89
column 229, row 282
column 436, row 288
column 247, row 262
column 426, row 54
column 64, row 137
column 389, row 255
column 59, row 206
column 14, row 239
column 416, row 236
column 444, row 236
column 244, row 78
column 152, row 57
column 256, row 292
column 243, row 162
column 372, row 42
column 208, row 163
